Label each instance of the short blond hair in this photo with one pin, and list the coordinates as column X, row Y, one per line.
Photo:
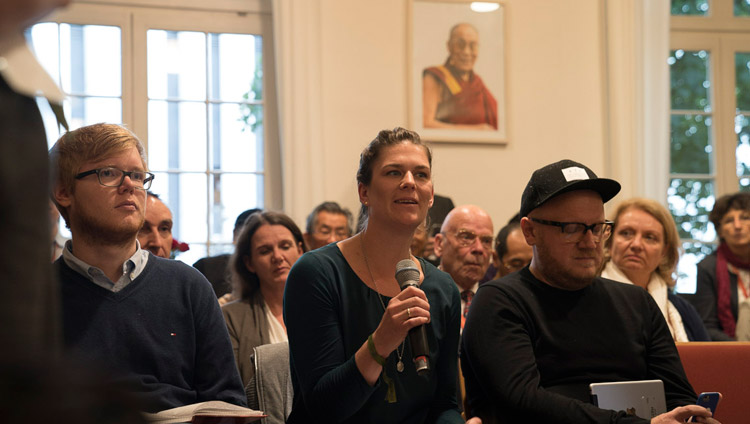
column 668, row 264
column 87, row 144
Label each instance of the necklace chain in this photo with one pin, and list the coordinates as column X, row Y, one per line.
column 400, row 364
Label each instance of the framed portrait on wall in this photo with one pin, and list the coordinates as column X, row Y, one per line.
column 457, row 71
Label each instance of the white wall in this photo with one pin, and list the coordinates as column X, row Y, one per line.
column 555, row 99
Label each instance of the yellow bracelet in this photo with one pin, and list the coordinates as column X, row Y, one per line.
column 374, row 353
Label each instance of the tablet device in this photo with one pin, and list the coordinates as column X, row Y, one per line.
column 643, row 398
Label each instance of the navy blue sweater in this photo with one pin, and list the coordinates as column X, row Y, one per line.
column 163, row 335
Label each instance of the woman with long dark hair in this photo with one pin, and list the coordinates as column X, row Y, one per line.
column 267, row 247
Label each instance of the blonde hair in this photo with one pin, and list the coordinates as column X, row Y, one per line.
column 668, row 264
column 91, row 143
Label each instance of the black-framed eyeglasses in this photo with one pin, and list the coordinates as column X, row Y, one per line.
column 113, row 177
column 575, row 231
column 466, row 238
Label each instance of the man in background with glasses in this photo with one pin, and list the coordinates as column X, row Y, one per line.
column 537, row 338
column 326, row 224
column 464, row 246
column 154, row 323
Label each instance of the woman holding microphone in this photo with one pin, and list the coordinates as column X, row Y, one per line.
column 348, row 319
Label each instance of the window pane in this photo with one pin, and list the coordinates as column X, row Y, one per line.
column 742, row 72
column 83, row 59
column 80, row 111
column 220, row 249
column 690, row 201
column 185, row 194
column 86, row 62
column 742, row 153
column 176, row 65
column 690, row 144
column 197, row 251
column 741, row 7
column 95, row 60
column 206, row 118
column 231, row 195
column 201, row 250
column 690, row 7
column 92, row 110
column 44, row 39
column 693, row 252
column 235, row 63
column 689, row 80
column 177, row 136
column 236, row 137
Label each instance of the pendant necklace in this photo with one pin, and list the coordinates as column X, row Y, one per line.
column 400, row 353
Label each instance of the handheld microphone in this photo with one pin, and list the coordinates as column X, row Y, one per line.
column 408, row 275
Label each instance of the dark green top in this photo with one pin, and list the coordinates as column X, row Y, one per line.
column 329, row 312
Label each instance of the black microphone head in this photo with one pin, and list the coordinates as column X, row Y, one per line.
column 406, row 273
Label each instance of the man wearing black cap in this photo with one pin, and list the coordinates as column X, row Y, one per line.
column 535, row 339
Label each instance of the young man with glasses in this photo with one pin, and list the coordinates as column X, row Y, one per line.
column 464, row 246
column 536, row 339
column 154, row 323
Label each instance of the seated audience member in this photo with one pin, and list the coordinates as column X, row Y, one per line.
column 435, row 217
column 216, row 268
column 511, row 250
column 327, row 223
column 535, row 339
column 643, row 250
column 419, row 241
column 348, row 319
column 723, row 280
column 153, row 322
column 156, row 233
column 268, row 245
column 57, row 240
column 464, row 246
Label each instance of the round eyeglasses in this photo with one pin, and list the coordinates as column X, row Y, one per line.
column 114, row 177
column 466, row 238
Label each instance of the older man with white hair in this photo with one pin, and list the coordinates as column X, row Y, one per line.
column 464, row 246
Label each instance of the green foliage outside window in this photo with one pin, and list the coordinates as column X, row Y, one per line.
column 691, row 7
column 741, row 7
column 690, row 144
column 252, row 113
column 690, row 201
column 742, row 89
column 689, row 80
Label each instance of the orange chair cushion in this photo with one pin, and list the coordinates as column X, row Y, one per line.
column 720, row 367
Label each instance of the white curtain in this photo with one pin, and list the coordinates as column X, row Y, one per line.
column 637, row 46
column 296, row 27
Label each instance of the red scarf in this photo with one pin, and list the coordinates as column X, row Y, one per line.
column 724, row 300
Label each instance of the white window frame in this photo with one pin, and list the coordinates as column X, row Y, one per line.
column 722, row 35
column 136, row 17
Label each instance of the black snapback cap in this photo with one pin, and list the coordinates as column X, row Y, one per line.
column 561, row 177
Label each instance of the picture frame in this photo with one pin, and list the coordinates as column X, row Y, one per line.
column 462, row 53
